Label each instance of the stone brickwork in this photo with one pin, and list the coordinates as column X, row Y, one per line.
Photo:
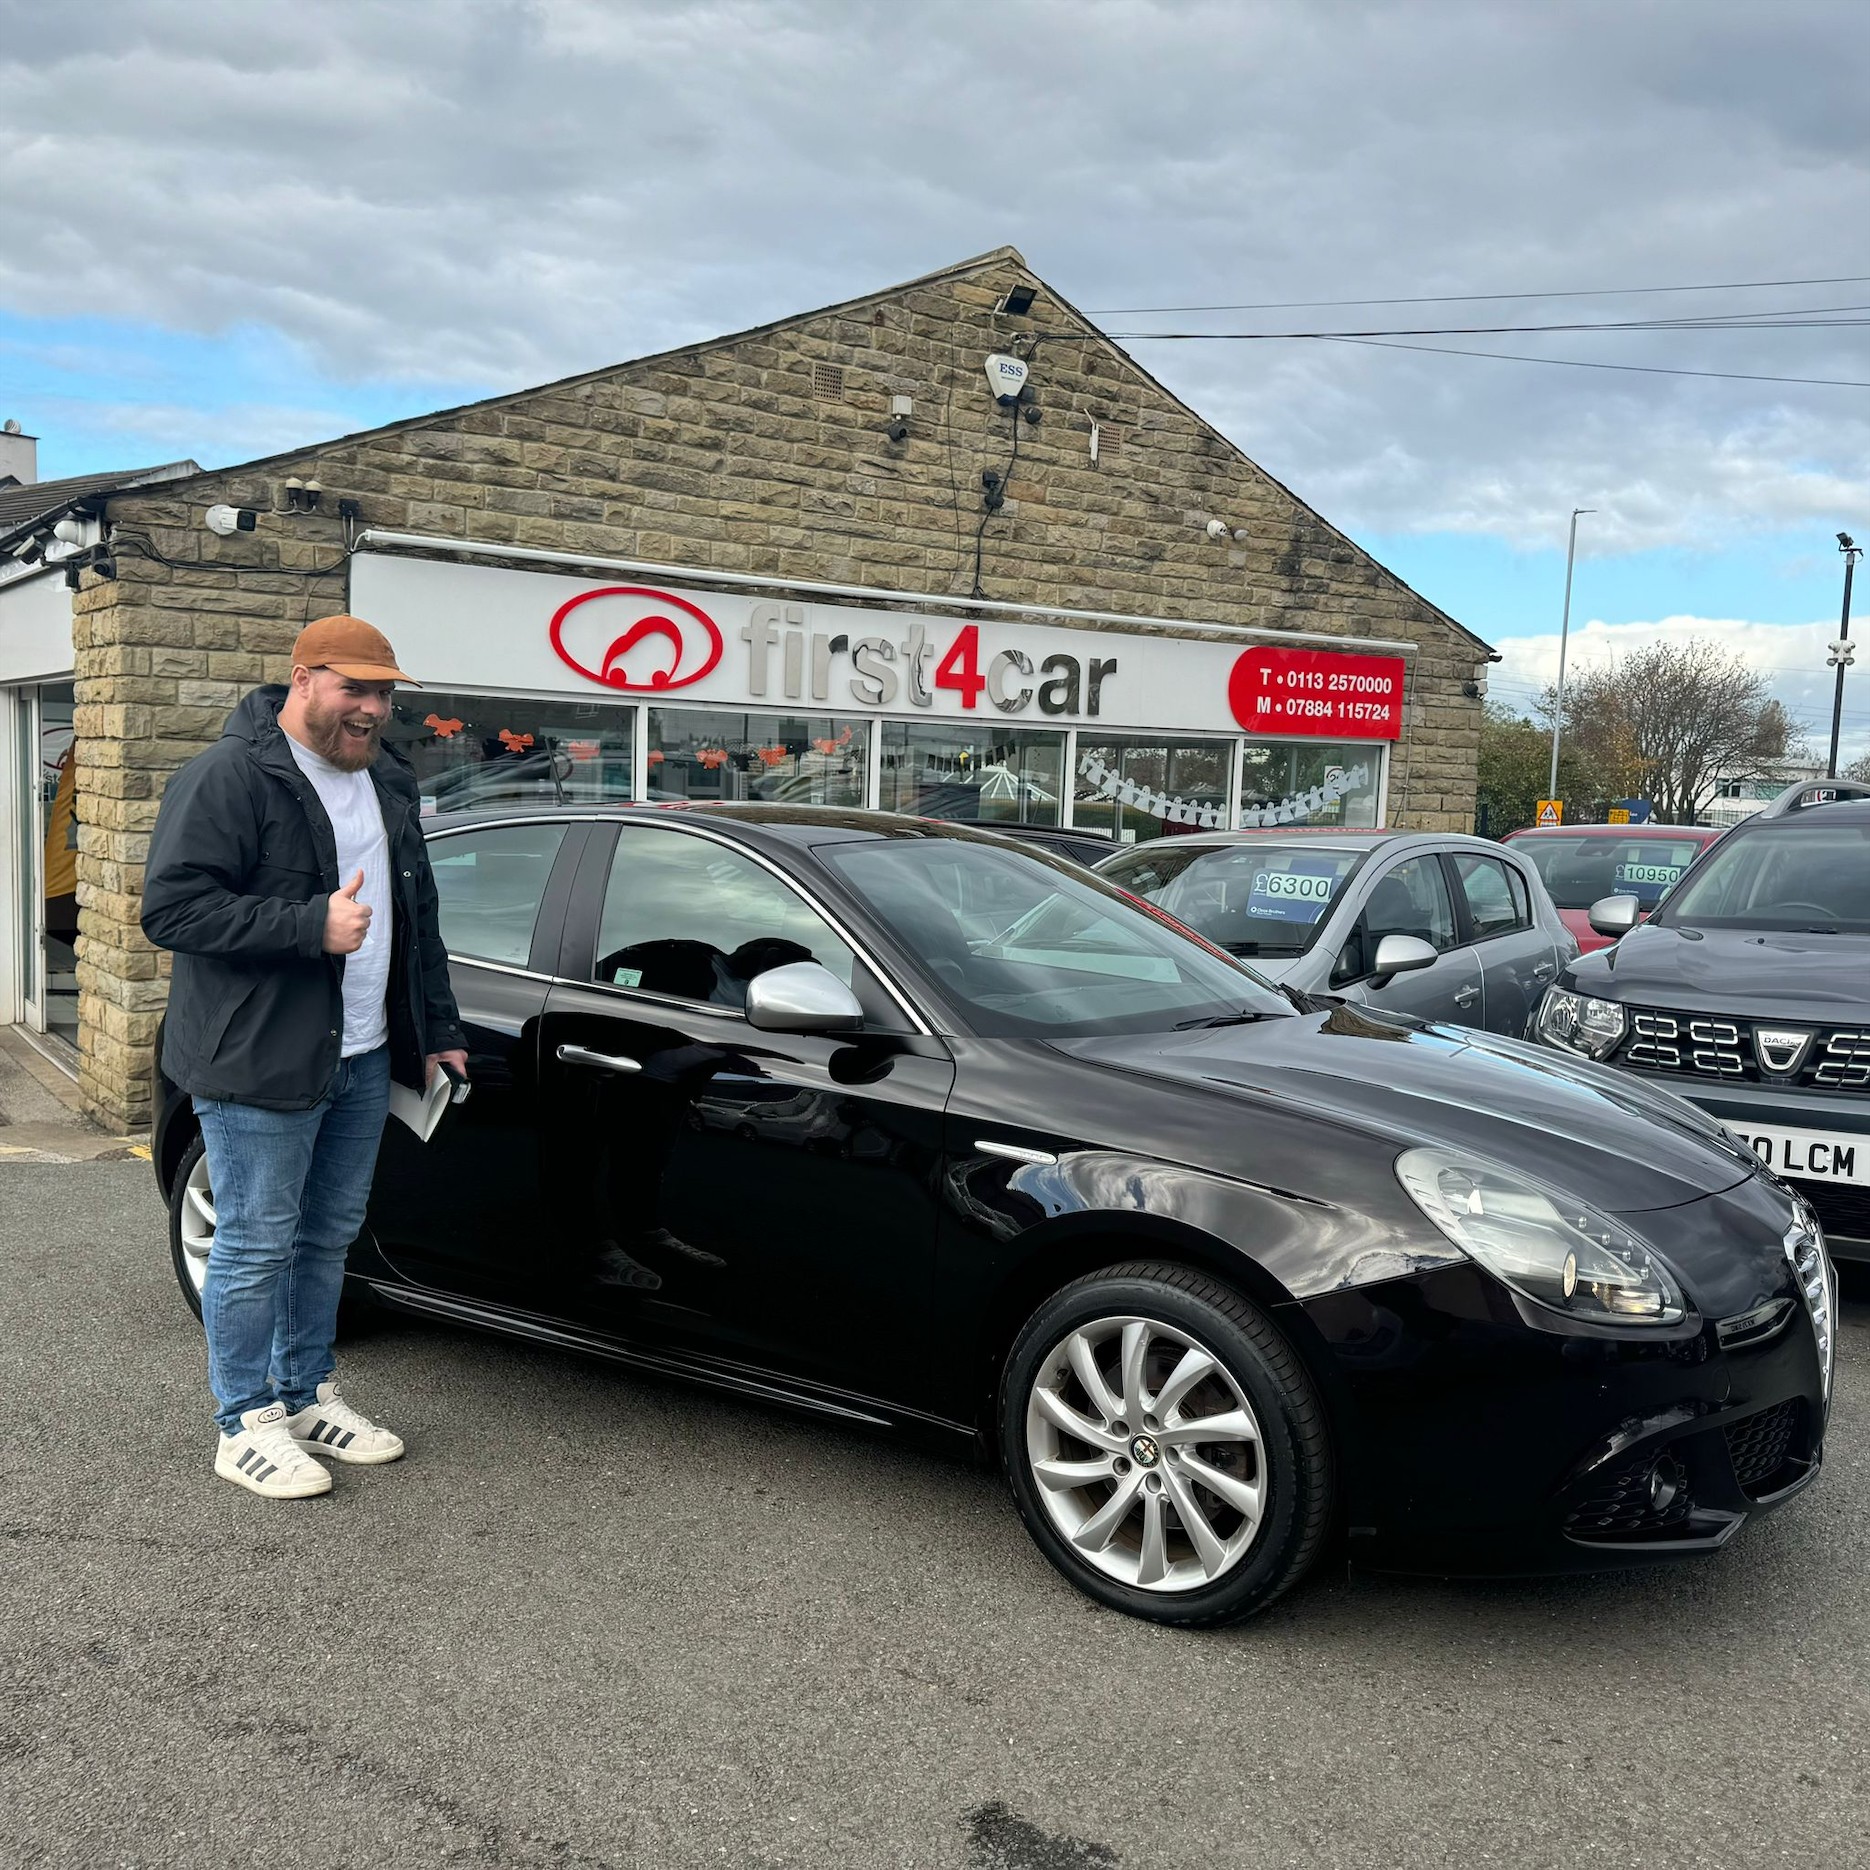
column 763, row 453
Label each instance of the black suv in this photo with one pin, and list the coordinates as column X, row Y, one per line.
column 1748, row 991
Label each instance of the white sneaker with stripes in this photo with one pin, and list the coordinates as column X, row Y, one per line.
column 331, row 1427
column 265, row 1459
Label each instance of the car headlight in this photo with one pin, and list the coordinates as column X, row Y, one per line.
column 1553, row 1250
column 1580, row 1023
column 1811, row 1266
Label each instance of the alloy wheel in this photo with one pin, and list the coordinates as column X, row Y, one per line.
column 1146, row 1454
column 198, row 1222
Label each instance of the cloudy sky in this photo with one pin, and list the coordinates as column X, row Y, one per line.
column 227, row 229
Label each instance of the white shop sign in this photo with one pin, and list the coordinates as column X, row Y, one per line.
column 477, row 626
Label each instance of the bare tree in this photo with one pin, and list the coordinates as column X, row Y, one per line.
column 1859, row 769
column 1673, row 721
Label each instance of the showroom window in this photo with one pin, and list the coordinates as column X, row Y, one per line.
column 1142, row 789
column 1324, row 783
column 712, row 753
column 472, row 751
column 995, row 776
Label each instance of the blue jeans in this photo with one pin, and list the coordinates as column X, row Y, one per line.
column 290, row 1188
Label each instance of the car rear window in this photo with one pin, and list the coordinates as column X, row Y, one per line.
column 1580, row 871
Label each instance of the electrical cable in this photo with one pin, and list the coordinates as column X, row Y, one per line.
column 1582, row 363
column 1477, row 298
column 980, row 531
column 136, row 542
column 1796, row 318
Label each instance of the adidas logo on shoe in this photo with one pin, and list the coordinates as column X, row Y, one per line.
column 330, row 1426
column 263, row 1458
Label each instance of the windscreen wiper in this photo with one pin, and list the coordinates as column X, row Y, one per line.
column 1220, row 1019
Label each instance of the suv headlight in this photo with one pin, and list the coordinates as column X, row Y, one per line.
column 1553, row 1250
column 1579, row 1023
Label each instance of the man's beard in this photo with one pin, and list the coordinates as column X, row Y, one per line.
column 325, row 732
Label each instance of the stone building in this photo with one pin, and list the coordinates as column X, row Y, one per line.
column 775, row 564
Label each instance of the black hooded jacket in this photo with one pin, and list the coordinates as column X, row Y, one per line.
column 240, row 864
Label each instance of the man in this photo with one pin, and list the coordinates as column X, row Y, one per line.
column 289, row 875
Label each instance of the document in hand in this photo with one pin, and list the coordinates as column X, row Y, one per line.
column 422, row 1110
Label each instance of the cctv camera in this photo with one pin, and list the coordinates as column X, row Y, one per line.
column 230, row 519
column 898, row 430
column 1217, row 529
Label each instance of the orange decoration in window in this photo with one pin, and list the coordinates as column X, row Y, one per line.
column 583, row 749
column 711, row 757
column 446, row 729
column 656, row 756
column 772, row 755
column 515, row 742
column 827, row 747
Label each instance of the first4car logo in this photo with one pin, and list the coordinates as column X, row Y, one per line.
column 628, row 637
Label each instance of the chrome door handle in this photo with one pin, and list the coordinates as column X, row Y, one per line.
column 1543, row 971
column 1467, row 996
column 598, row 1061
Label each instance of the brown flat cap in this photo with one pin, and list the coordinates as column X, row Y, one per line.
column 350, row 647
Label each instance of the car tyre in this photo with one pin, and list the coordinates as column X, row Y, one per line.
column 1211, row 1504
column 191, row 1235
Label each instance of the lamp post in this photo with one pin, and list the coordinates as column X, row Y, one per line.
column 1564, row 635
column 1841, row 652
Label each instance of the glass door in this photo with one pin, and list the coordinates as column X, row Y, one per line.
column 48, row 848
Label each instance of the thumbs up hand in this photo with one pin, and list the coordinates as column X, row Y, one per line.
column 347, row 921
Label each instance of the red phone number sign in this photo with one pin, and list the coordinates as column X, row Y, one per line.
column 1317, row 691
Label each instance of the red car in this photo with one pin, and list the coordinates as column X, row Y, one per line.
column 1580, row 864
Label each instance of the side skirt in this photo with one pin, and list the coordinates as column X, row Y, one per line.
column 734, row 1378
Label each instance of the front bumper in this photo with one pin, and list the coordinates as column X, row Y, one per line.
column 1478, row 1440
column 1843, row 1208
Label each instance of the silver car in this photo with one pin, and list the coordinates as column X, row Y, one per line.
column 1442, row 926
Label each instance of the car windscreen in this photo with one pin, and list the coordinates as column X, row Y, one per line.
column 1811, row 878
column 1580, row 871
column 1026, row 948
column 1266, row 899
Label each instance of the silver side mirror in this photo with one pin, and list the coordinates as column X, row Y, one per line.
column 1402, row 954
column 802, row 997
column 1615, row 915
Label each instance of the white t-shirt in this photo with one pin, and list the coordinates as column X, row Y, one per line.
column 350, row 802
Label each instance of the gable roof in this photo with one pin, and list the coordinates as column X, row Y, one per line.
column 996, row 256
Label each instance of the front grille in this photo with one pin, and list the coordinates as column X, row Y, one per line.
column 1623, row 1501
column 1762, row 1447
column 1708, row 1045
column 1842, row 1211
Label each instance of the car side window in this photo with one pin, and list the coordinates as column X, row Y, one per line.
column 693, row 919
column 1493, row 905
column 1410, row 898
column 1522, row 896
column 488, row 888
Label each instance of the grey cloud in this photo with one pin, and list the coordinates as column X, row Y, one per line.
column 508, row 192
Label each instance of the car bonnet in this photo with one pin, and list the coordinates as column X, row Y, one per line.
column 1587, row 1131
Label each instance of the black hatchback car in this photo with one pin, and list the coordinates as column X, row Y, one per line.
column 1748, row 991
column 899, row 1122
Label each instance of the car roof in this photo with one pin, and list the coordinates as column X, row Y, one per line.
column 1803, row 817
column 1322, row 838
column 1710, row 832
column 803, row 824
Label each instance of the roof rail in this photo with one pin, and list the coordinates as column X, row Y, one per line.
column 1812, row 792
